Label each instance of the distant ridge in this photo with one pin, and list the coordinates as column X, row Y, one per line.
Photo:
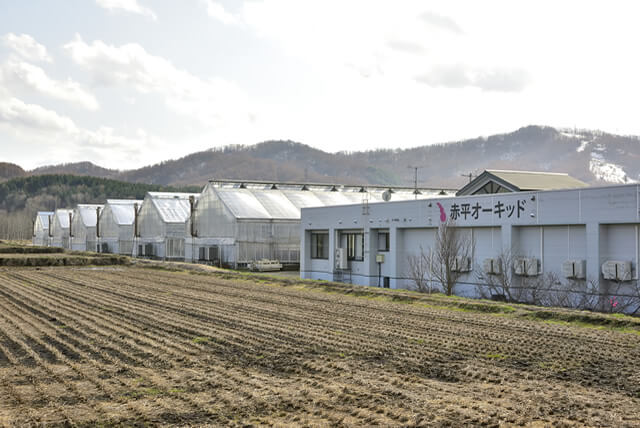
column 592, row 156
column 10, row 170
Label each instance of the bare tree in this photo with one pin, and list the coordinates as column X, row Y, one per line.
column 452, row 250
column 418, row 271
column 499, row 282
column 503, row 283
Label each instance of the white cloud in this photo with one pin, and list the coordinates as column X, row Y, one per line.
column 31, row 117
column 218, row 12
column 462, row 76
column 59, row 139
column 213, row 101
column 27, row 47
column 130, row 6
column 19, row 74
column 441, row 22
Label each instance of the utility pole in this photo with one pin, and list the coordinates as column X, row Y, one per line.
column 415, row 180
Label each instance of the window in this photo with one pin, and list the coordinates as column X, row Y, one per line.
column 383, row 241
column 319, row 245
column 355, row 246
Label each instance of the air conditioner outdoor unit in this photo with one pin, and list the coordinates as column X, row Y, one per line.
column 492, row 266
column 574, row 269
column 341, row 258
column 526, row 266
column 617, row 270
column 462, row 264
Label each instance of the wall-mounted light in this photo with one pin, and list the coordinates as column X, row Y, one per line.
column 532, row 215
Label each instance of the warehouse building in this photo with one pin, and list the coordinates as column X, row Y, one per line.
column 240, row 223
column 116, row 226
column 83, row 227
column 164, row 225
column 587, row 235
column 41, row 229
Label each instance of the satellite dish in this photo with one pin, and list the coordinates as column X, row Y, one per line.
column 386, row 196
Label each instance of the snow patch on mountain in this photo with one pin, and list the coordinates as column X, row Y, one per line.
column 583, row 145
column 607, row 171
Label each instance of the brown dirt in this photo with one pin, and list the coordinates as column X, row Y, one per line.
column 130, row 346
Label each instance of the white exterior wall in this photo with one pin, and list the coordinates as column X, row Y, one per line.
column 592, row 224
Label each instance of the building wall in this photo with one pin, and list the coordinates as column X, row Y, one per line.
column 591, row 224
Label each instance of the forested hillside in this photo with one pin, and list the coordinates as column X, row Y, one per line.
column 592, row 156
column 10, row 170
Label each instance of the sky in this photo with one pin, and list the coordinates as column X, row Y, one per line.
column 129, row 83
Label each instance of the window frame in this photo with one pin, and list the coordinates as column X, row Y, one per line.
column 352, row 245
column 319, row 244
column 386, row 241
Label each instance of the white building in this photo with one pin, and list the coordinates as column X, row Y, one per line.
column 83, row 227
column 60, row 228
column 41, row 229
column 164, row 225
column 237, row 223
column 585, row 236
column 116, row 226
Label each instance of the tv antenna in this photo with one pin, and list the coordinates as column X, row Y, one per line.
column 470, row 176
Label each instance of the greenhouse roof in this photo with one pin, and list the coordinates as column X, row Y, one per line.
column 172, row 207
column 284, row 201
column 44, row 218
column 63, row 217
column 88, row 214
column 123, row 210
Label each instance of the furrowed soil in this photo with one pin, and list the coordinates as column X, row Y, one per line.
column 131, row 346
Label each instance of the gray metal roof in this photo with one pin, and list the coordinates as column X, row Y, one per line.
column 520, row 181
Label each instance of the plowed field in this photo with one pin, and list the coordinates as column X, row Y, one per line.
column 140, row 346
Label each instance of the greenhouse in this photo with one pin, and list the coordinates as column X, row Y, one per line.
column 238, row 223
column 41, row 229
column 116, row 227
column 60, row 228
column 163, row 225
column 83, row 227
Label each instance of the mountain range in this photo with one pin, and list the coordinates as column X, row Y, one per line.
column 593, row 156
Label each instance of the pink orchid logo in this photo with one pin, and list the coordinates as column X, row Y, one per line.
column 443, row 215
